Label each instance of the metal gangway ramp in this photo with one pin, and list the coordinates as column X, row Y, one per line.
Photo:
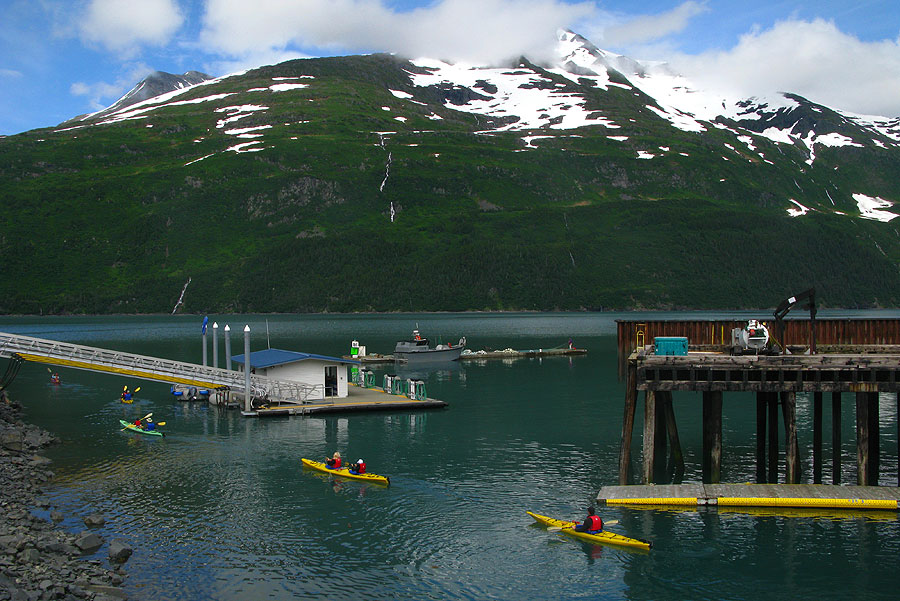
column 39, row 350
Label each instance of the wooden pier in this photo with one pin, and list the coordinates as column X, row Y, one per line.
column 776, row 380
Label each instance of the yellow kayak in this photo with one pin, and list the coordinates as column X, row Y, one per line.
column 603, row 537
column 344, row 472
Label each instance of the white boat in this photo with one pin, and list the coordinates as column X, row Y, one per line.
column 417, row 350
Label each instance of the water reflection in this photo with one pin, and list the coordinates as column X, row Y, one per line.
column 440, row 370
column 221, row 508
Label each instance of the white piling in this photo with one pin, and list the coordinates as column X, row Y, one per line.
column 216, row 344
column 247, row 406
column 227, row 347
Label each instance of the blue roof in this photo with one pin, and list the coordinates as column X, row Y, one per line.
column 273, row 356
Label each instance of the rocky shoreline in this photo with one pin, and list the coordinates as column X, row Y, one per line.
column 38, row 559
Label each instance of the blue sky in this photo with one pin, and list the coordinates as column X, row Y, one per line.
column 62, row 58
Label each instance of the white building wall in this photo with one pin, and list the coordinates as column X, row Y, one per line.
column 310, row 372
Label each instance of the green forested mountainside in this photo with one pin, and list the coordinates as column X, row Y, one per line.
column 116, row 217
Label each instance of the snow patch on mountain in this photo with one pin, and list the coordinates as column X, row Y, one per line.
column 520, row 98
column 237, row 112
column 285, row 87
column 798, row 209
column 885, row 126
column 247, row 132
column 871, row 207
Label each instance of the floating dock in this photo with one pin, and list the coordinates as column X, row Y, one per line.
column 479, row 355
column 358, row 399
column 807, row 496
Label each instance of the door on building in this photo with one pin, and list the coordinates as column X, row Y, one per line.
column 331, row 381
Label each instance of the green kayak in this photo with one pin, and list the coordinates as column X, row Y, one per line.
column 133, row 428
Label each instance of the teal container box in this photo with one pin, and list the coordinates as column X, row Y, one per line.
column 671, row 345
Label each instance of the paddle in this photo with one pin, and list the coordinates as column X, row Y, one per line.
column 558, row 528
column 131, row 394
column 142, row 419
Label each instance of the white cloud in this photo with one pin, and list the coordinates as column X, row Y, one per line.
column 102, row 94
column 10, row 73
column 125, row 25
column 251, row 60
column 650, row 28
column 480, row 31
column 811, row 58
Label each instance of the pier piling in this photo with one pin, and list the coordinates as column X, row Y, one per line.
column 817, row 437
column 627, row 424
column 835, row 438
column 761, row 412
column 772, row 403
column 712, row 436
column 791, row 446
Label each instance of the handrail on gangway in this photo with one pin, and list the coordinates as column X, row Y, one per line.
column 90, row 358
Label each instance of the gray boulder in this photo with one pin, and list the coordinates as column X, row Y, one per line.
column 88, row 541
column 11, row 440
column 119, row 550
column 94, row 520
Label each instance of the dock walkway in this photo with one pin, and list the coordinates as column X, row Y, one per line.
column 357, row 399
column 77, row 356
column 753, row 495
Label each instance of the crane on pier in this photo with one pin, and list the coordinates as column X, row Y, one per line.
column 785, row 307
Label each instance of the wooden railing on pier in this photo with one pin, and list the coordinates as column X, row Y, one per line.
column 716, row 333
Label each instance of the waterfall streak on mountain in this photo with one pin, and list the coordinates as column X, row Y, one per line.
column 387, row 172
column 181, row 298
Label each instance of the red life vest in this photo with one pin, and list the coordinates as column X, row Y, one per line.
column 337, row 462
column 360, row 468
column 593, row 523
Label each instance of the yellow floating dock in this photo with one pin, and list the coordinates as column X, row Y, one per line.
column 753, row 495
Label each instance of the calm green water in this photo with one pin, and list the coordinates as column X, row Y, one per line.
column 221, row 508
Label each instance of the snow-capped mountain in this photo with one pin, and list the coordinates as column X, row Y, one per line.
column 586, row 88
column 597, row 180
column 154, row 85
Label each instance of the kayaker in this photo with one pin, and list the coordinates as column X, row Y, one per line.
column 357, row 468
column 151, row 425
column 138, row 424
column 335, row 461
column 592, row 523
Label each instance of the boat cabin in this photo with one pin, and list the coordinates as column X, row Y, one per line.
column 326, row 373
